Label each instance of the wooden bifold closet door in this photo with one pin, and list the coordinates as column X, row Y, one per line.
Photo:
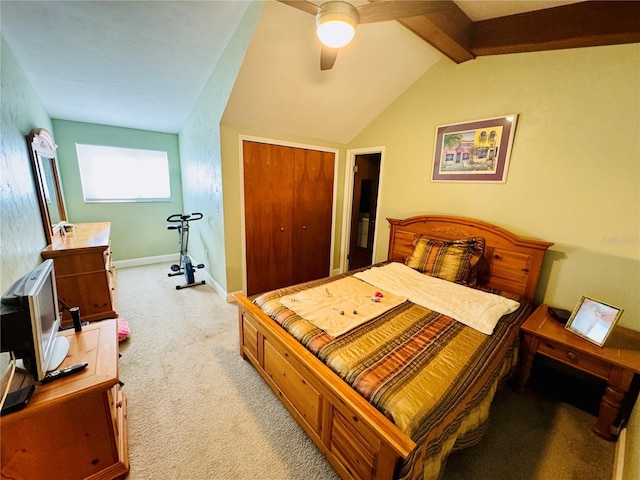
column 288, row 201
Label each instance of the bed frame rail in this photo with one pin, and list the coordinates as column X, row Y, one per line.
column 355, row 437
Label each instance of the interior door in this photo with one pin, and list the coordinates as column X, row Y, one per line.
column 268, row 205
column 366, row 179
column 312, row 214
column 288, row 195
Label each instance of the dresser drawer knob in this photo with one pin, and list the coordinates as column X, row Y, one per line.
column 572, row 356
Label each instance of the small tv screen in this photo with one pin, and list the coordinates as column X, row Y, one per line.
column 30, row 321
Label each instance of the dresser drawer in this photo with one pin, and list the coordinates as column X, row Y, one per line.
column 575, row 358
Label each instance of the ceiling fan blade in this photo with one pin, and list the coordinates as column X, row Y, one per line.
column 385, row 10
column 328, row 57
column 303, row 5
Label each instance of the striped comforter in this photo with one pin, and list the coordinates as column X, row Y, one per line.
column 433, row 377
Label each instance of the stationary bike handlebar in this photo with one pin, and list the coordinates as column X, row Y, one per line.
column 183, row 217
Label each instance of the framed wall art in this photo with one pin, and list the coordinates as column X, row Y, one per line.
column 593, row 320
column 476, row 151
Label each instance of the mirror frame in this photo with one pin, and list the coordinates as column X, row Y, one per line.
column 41, row 144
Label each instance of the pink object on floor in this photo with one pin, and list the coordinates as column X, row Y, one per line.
column 123, row 329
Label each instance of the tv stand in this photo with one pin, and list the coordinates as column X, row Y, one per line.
column 74, row 427
column 58, row 353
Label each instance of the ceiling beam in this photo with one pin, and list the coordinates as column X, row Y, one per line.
column 448, row 30
column 584, row 24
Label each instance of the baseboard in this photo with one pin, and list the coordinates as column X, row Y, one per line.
column 217, row 287
column 137, row 262
column 618, row 462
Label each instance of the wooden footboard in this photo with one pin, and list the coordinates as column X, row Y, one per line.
column 357, row 439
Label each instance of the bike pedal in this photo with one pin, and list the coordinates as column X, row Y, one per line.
column 175, row 268
column 200, row 265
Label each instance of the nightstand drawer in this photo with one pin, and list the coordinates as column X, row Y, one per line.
column 575, row 358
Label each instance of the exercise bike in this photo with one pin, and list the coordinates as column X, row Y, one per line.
column 180, row 222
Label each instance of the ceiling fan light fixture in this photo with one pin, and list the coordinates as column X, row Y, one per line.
column 336, row 24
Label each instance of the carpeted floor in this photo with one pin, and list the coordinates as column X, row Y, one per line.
column 196, row 410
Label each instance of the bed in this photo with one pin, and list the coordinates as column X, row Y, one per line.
column 346, row 391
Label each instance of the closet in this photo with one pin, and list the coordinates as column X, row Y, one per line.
column 288, row 203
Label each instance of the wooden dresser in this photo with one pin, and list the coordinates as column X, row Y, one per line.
column 74, row 427
column 85, row 276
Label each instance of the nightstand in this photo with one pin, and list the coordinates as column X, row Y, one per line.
column 616, row 362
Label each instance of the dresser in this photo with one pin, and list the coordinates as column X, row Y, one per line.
column 74, row 427
column 85, row 276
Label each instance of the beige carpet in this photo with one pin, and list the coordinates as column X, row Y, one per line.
column 196, row 410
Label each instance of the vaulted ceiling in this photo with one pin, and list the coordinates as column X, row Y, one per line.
column 142, row 64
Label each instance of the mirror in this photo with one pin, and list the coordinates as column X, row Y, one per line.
column 45, row 171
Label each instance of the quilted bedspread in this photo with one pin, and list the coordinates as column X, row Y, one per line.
column 430, row 375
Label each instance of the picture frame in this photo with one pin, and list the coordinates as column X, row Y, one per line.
column 475, row 151
column 593, row 320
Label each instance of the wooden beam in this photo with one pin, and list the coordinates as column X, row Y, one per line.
column 584, row 24
column 448, row 30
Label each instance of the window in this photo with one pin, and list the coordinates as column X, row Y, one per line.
column 113, row 174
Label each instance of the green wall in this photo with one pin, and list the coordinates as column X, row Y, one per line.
column 21, row 230
column 202, row 167
column 138, row 229
column 574, row 175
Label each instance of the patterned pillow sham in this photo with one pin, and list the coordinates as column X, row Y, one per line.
column 448, row 260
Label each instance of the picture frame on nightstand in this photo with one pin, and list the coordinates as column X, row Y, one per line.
column 593, row 320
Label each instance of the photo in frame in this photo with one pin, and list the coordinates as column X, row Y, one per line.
column 476, row 151
column 593, row 320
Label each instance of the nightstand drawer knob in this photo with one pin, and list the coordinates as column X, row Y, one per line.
column 572, row 356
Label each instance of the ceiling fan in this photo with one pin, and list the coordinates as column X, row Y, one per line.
column 336, row 20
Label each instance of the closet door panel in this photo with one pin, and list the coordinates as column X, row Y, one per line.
column 312, row 213
column 268, row 190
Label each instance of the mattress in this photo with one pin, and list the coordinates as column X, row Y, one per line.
column 430, row 375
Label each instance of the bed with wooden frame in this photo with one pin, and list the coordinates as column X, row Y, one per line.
column 356, row 437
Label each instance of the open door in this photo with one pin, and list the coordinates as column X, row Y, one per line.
column 366, row 178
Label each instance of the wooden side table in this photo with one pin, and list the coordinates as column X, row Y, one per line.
column 75, row 427
column 616, row 362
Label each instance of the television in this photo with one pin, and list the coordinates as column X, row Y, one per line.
column 29, row 322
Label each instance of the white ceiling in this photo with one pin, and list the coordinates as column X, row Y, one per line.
column 142, row 64
column 281, row 88
column 137, row 64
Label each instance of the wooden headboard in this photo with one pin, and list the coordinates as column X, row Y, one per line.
column 513, row 262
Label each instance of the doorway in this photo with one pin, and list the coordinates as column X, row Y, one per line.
column 364, row 207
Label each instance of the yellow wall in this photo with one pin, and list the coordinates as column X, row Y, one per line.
column 574, row 176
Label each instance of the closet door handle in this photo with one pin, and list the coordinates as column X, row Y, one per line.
column 282, row 229
column 304, row 227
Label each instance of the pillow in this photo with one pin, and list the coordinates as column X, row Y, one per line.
column 447, row 260
column 479, row 270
